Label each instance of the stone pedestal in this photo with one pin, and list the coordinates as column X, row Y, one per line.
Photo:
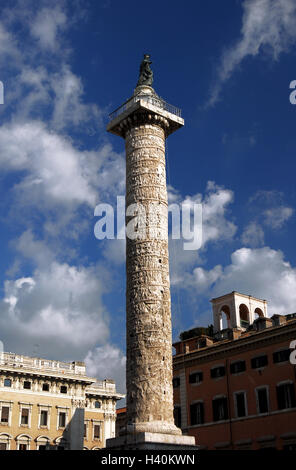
column 152, row 441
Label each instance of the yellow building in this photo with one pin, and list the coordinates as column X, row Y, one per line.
column 46, row 404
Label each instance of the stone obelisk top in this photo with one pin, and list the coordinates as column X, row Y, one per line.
column 144, row 121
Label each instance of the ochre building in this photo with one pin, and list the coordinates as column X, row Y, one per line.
column 49, row 405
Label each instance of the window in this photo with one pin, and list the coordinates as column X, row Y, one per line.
column 3, row 446
column 97, row 429
column 97, row 404
column 176, row 382
column 240, row 399
column 217, row 372
column 7, row 382
column 45, row 387
column 63, row 389
column 286, row 396
column 4, row 414
column 260, row 361
column 177, row 416
column 236, row 367
column 281, row 356
column 27, row 384
column 196, row 413
column 262, row 400
column 42, row 447
column 220, row 409
column 25, row 416
column 22, row 447
column 43, row 418
column 85, row 430
column 195, row 378
column 62, row 419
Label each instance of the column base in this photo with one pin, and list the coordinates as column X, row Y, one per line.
column 151, row 441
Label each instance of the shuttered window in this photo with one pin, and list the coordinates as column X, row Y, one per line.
column 97, row 431
column 260, row 361
column 195, row 378
column 236, row 367
column 196, row 413
column 4, row 414
column 220, row 409
column 286, row 396
column 25, row 416
column 281, row 356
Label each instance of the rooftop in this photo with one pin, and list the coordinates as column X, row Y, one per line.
column 204, row 339
column 106, row 387
column 37, row 363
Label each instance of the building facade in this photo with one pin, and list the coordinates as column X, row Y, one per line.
column 46, row 404
column 234, row 387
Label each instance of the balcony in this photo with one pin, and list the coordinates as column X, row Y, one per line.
column 155, row 100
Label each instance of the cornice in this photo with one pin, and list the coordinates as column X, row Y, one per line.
column 229, row 348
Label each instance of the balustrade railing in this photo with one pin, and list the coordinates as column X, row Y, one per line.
column 16, row 360
column 152, row 99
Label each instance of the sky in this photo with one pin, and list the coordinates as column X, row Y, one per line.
column 65, row 65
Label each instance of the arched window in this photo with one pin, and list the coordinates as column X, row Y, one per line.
column 225, row 317
column 61, row 443
column 244, row 316
column 42, row 442
column 259, row 312
column 5, row 441
column 23, row 442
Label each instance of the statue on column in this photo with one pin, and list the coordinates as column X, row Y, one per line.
column 146, row 74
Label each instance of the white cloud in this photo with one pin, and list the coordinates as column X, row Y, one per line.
column 268, row 26
column 8, row 46
column 69, row 108
column 114, row 251
column 47, row 26
column 261, row 272
column 59, row 306
column 253, row 235
column 215, row 202
column 202, row 279
column 215, row 206
column 277, row 216
column 216, row 228
column 55, row 171
column 53, row 164
column 109, row 362
column 30, row 248
column 269, row 212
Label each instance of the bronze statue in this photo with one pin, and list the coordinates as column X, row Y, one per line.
column 146, row 74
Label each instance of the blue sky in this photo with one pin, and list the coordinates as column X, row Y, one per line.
column 65, row 66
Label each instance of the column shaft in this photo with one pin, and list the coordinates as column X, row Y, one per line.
column 149, row 341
